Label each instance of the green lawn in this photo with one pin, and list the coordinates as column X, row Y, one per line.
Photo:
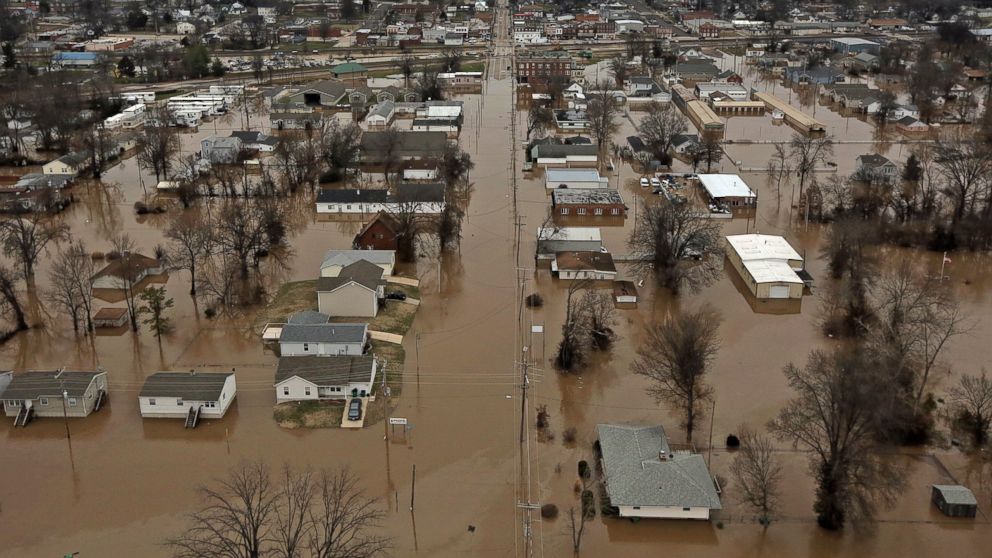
column 291, row 298
column 309, row 414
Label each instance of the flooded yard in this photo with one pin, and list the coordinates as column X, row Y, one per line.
column 123, row 485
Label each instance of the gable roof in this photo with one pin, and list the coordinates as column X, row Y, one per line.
column 585, row 261
column 48, row 383
column 326, row 370
column 330, row 87
column 873, row 160
column 555, row 150
column 384, row 219
column 323, row 333
column 347, row 257
column 361, row 272
column 351, row 195
column 190, row 386
column 410, row 143
column 308, row 317
column 132, row 262
column 636, row 476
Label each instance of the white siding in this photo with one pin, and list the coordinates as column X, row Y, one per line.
column 665, row 512
column 595, row 275
column 170, row 407
column 371, row 208
column 304, row 349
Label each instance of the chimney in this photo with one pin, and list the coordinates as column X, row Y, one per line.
column 662, row 456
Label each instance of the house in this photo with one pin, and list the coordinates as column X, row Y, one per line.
column 352, row 72
column 911, row 126
column 257, row 141
column 126, row 269
column 645, row 477
column 110, row 317
column 875, row 168
column 567, row 202
column 584, row 179
column 328, row 93
column 572, row 120
column 729, row 76
column 187, row 395
column 866, row 61
column 381, row 115
column 70, row 164
column 450, row 128
column 221, row 150
column 424, row 199
column 412, row 145
column 336, row 260
column 380, row 233
column 334, row 377
column 355, row 292
column 564, row 155
column 683, row 144
column 185, row 28
column 769, row 266
column 310, row 333
column 902, row 111
column 593, row 265
column 732, row 90
column 727, row 189
column 551, row 240
column 954, row 500
column 52, row 393
column 624, row 292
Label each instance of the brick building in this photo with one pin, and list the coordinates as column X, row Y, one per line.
column 539, row 67
column 567, row 202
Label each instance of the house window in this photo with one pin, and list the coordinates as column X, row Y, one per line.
column 615, row 211
column 151, row 401
column 285, row 390
column 685, row 509
column 306, row 347
column 72, row 401
column 581, row 211
column 637, row 507
column 306, row 390
column 43, row 401
column 564, row 211
column 210, row 404
column 14, row 403
column 598, row 211
column 179, row 402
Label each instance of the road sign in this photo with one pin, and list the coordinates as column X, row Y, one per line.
column 397, row 420
column 537, row 329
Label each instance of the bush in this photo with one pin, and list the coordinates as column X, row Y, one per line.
column 584, row 471
column 140, row 208
column 543, row 419
column 569, row 435
column 733, row 442
column 534, row 301
column 549, row 511
column 588, row 504
column 210, row 312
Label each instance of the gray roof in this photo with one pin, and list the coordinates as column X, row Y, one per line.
column 348, row 257
column 636, row 476
column 48, row 383
column 410, row 144
column 352, row 195
column 383, row 109
column 584, row 196
column 956, row 494
column 308, row 317
column 323, row 333
column 326, row 370
column 362, row 272
column 873, row 160
column 191, row 386
column 564, row 150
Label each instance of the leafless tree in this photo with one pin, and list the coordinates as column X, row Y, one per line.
column 679, row 243
column 759, row 474
column 230, row 178
column 618, row 69
column 341, row 146
column 574, row 331
column 604, row 108
column 300, row 515
column 600, row 318
column 240, row 233
column 455, row 167
column 807, row 153
column 778, row 169
column 972, row 399
column 125, row 248
column 26, row 236
column 158, row 143
column 407, row 65
column 429, row 84
column 301, row 159
column 849, row 259
column 190, row 238
column 660, row 127
column 409, row 224
column 964, row 166
column 578, row 527
column 70, row 288
column 10, row 303
column 390, row 143
column 539, row 120
column 838, row 410
column 675, row 357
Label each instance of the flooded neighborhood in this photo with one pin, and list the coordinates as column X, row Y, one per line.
column 495, row 279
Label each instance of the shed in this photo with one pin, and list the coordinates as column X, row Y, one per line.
column 728, row 188
column 110, row 317
column 624, row 292
column 954, row 500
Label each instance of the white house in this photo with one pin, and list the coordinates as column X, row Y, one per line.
column 185, row 28
column 596, row 266
column 575, row 178
column 769, row 266
column 729, row 189
column 187, row 395
column 356, row 291
column 310, row 333
column 551, row 240
column 381, row 115
column 70, row 164
column 130, row 268
column 424, row 199
column 54, row 393
column 645, row 477
column 336, row 260
column 333, row 377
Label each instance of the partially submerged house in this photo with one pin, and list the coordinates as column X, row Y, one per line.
column 52, row 393
column 333, row 377
column 187, row 395
column 954, row 500
column 769, row 266
column 424, row 199
column 110, row 317
column 380, row 233
column 551, row 240
column 337, row 260
column 310, row 333
column 355, row 292
column 645, row 477
column 128, row 268
column 564, row 155
column 875, row 168
column 588, row 179
column 728, row 190
column 596, row 266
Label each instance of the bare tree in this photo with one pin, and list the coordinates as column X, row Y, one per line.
column 455, row 167
column 70, row 285
column 972, row 399
column 679, row 243
column 190, row 238
column 240, row 233
column 10, row 303
column 301, row 158
column 600, row 318
column 964, row 167
column 125, row 249
column 26, row 236
column 341, row 146
column 390, row 143
column 539, row 120
column 759, row 474
column 675, row 357
column 343, row 519
column 807, row 153
column 618, row 69
column 407, row 65
column 849, row 259
column 158, row 143
column 838, row 410
column 604, row 108
column 778, row 169
column 660, row 127
column 571, row 349
column 429, row 84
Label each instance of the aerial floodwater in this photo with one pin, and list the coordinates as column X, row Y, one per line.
column 467, row 474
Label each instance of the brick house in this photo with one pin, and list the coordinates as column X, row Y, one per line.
column 378, row 234
column 567, row 202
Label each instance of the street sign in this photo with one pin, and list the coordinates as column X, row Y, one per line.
column 397, row 420
column 537, row 329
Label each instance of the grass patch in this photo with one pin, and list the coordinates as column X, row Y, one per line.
column 291, row 298
column 411, row 292
column 308, row 414
column 395, row 317
column 394, row 356
column 319, row 46
column 473, row 66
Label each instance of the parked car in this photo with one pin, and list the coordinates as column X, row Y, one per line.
column 644, row 182
column 655, row 183
column 396, row 295
column 355, row 409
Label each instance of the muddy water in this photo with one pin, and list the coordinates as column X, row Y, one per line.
column 127, row 482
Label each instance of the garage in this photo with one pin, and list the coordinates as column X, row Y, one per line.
column 778, row 291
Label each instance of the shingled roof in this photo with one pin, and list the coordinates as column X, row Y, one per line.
column 190, row 386
column 326, row 370
column 47, row 383
column 362, row 272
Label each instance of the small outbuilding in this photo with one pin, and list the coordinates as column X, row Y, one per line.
column 624, row 292
column 954, row 500
column 381, row 233
column 110, row 317
column 128, row 268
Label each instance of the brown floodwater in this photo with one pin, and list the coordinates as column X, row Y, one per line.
column 127, row 482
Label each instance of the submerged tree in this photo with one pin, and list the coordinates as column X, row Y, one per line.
column 759, row 474
column 190, row 238
column 572, row 349
column 675, row 357
column 604, row 108
column 659, row 129
column 26, row 236
column 10, row 303
column 807, row 153
column 154, row 305
column 972, row 399
column 71, row 277
column 837, row 414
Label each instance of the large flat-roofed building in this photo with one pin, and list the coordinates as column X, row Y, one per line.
column 767, row 264
column 567, row 202
column 581, row 179
column 854, row 45
column 551, row 240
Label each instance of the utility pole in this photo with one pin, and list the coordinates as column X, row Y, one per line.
column 418, row 360
column 709, row 453
column 413, row 486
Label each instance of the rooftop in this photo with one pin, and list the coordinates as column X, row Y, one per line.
column 956, row 494
column 327, row 370
column 190, row 386
column 568, row 175
column 362, row 272
column 48, row 383
column 569, row 233
column 323, row 333
column 348, row 257
column 725, row 186
column 762, row 247
column 585, row 260
column 583, row 196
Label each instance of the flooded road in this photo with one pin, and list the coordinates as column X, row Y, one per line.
column 127, row 482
